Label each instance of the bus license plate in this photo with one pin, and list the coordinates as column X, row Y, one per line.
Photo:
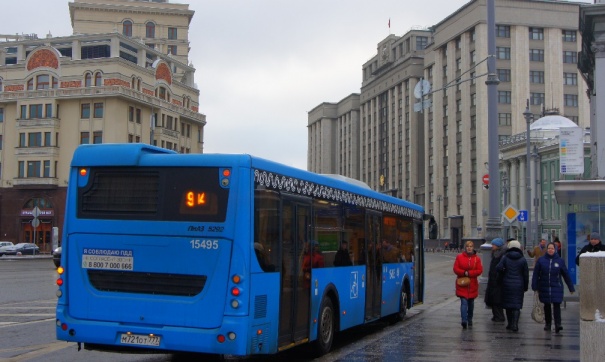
column 140, row 340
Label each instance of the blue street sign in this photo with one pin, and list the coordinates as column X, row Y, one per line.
column 522, row 215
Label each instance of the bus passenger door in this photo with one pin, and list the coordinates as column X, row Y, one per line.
column 295, row 292
column 373, row 265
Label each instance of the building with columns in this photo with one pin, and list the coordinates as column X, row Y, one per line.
column 436, row 156
column 124, row 78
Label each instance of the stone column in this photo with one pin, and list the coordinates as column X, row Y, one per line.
column 592, row 299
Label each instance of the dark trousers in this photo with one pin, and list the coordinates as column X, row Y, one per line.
column 548, row 313
column 498, row 313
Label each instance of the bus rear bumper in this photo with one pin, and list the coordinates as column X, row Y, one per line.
column 230, row 338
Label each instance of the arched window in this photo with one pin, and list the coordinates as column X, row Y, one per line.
column 127, row 28
column 87, row 80
column 30, row 84
column 150, row 30
column 98, row 79
column 42, row 81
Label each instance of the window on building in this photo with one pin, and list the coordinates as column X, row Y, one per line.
column 34, row 139
column 172, row 33
column 504, row 119
column 473, row 57
column 138, row 115
column 503, row 52
column 504, row 75
column 504, row 97
column 22, row 140
column 536, row 55
column 571, row 100
column 421, row 42
column 172, row 49
column 47, row 138
column 1, row 85
column 503, row 31
column 98, row 79
column 85, row 110
column 46, row 172
column 569, row 35
column 0, row 142
column 97, row 137
column 48, row 110
column 87, row 80
column 536, row 33
column 473, row 99
column 98, row 110
column 1, row 115
column 150, row 30
column 536, row 76
column 130, row 114
column 127, row 28
column 42, row 81
column 35, row 111
column 536, row 98
column 570, row 57
column 84, row 138
column 21, row 172
column 30, row 84
column 570, row 78
column 33, row 168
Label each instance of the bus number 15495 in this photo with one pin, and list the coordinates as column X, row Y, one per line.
column 204, row 244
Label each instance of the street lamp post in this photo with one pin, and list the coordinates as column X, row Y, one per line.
column 439, row 198
column 536, row 158
column 528, row 117
column 505, row 198
column 493, row 224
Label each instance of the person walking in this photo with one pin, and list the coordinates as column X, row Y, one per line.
column 538, row 251
column 467, row 264
column 515, row 282
column 493, row 293
column 546, row 280
column 594, row 244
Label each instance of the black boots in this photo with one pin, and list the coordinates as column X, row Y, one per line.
column 547, row 327
column 558, row 328
column 514, row 326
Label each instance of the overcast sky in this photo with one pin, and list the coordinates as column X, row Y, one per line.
column 262, row 65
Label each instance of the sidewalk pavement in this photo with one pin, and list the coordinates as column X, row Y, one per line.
column 434, row 333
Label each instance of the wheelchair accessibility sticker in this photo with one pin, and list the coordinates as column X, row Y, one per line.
column 354, row 284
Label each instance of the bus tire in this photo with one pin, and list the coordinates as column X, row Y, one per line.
column 403, row 306
column 325, row 327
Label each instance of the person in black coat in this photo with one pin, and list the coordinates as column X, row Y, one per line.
column 547, row 281
column 593, row 245
column 515, row 282
column 342, row 257
column 493, row 293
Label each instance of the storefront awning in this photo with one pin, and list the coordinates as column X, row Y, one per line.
column 591, row 192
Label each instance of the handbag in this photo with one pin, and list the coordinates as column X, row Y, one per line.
column 537, row 312
column 463, row 281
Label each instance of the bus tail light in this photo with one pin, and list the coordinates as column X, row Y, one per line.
column 59, row 281
column 220, row 338
column 235, row 291
column 235, row 304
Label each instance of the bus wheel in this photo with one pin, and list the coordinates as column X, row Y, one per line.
column 325, row 327
column 403, row 305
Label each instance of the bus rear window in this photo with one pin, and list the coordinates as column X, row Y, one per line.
column 163, row 194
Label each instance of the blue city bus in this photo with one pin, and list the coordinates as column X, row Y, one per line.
column 227, row 254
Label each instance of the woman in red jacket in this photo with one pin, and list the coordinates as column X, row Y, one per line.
column 468, row 264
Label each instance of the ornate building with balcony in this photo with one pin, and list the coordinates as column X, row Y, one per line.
column 96, row 86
